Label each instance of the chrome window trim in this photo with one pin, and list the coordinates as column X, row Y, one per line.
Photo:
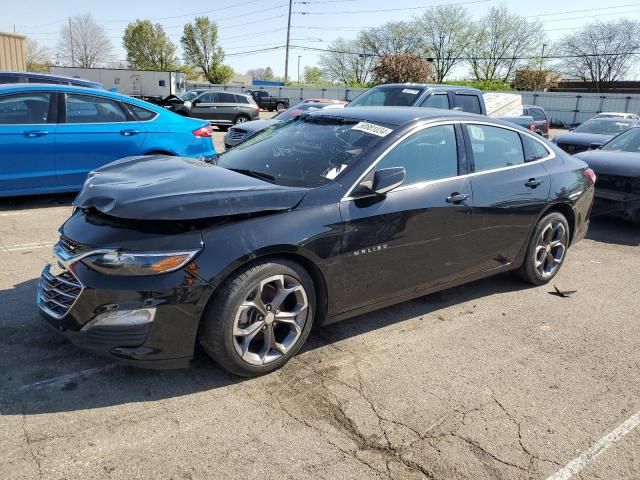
column 347, row 196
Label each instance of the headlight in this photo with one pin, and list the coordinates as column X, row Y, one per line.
column 143, row 263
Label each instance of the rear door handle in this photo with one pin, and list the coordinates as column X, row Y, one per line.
column 129, row 133
column 457, row 198
column 36, row 133
column 533, row 183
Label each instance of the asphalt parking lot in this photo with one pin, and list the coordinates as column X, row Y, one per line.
column 490, row 380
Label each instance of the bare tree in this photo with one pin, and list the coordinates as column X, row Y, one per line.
column 84, row 43
column 261, row 73
column 36, row 56
column 446, row 34
column 347, row 63
column 391, row 39
column 499, row 41
column 601, row 53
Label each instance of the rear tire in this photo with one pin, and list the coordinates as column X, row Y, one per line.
column 546, row 250
column 223, row 128
column 241, row 119
column 280, row 106
column 259, row 318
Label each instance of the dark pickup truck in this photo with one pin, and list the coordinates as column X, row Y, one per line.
column 267, row 102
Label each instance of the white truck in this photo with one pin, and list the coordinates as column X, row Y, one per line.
column 145, row 84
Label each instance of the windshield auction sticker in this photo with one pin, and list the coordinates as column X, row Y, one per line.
column 372, row 129
column 411, row 91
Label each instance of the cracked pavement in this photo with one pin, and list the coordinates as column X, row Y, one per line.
column 492, row 380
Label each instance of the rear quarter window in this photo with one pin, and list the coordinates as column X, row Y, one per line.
column 140, row 113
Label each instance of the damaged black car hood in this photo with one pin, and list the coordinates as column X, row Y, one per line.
column 174, row 188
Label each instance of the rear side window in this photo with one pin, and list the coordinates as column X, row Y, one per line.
column 9, row 79
column 430, row 154
column 140, row 113
column 494, row 147
column 222, row 97
column 468, row 103
column 533, row 150
column 25, row 108
column 537, row 114
column 440, row 100
column 90, row 109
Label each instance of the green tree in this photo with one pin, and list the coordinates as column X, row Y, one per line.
column 36, row 57
column 313, row 75
column 148, row 47
column 201, row 50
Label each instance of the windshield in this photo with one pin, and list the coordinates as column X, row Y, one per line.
column 307, row 151
column 296, row 111
column 628, row 141
column 387, row 97
column 603, row 126
column 187, row 96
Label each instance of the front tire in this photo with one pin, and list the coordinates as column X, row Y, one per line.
column 259, row 318
column 546, row 250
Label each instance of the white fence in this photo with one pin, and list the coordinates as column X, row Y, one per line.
column 561, row 107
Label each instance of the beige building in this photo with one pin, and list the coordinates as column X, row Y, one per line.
column 12, row 52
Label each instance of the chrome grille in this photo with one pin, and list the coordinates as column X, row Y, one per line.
column 71, row 247
column 236, row 135
column 57, row 293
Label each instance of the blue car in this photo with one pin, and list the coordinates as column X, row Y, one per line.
column 52, row 136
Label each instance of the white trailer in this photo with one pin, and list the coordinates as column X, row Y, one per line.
column 137, row 83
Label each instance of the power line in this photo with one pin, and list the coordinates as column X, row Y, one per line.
column 399, row 9
column 583, row 10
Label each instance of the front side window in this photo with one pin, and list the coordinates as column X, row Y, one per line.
column 25, row 108
column 430, row 154
column 494, row 147
column 440, row 100
column 208, row 97
column 90, row 109
column 307, row 151
column 388, row 97
column 468, row 103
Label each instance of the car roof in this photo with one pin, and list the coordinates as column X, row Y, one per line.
column 48, row 76
column 622, row 114
column 31, row 87
column 399, row 116
column 433, row 86
column 613, row 119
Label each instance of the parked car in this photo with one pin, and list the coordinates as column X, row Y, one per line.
column 628, row 116
column 617, row 164
column 267, row 102
column 240, row 133
column 592, row 133
column 221, row 109
column 540, row 118
column 446, row 97
column 53, row 135
column 327, row 216
column 31, row 77
column 523, row 121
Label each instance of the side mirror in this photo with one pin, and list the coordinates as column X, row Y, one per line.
column 595, row 146
column 196, row 102
column 383, row 182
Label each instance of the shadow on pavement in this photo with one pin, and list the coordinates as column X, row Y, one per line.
column 614, row 230
column 9, row 204
column 43, row 373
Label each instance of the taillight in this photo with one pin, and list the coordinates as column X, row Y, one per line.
column 591, row 175
column 532, row 127
column 206, row 131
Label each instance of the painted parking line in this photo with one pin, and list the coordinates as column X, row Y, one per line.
column 578, row 463
column 25, row 246
column 63, row 379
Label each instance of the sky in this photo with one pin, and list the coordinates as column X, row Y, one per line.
column 249, row 25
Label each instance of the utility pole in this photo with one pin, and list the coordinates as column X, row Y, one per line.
column 286, row 56
column 73, row 57
column 299, row 69
column 540, row 71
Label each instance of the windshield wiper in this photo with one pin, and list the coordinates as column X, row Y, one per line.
column 252, row 173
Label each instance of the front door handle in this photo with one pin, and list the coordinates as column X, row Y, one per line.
column 456, row 198
column 129, row 133
column 36, row 133
column 533, row 183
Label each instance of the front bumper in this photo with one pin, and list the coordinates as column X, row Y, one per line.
column 71, row 301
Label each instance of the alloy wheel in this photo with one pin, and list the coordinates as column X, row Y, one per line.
column 241, row 119
column 269, row 322
column 550, row 248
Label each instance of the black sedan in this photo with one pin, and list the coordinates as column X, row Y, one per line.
column 617, row 164
column 331, row 215
column 592, row 133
